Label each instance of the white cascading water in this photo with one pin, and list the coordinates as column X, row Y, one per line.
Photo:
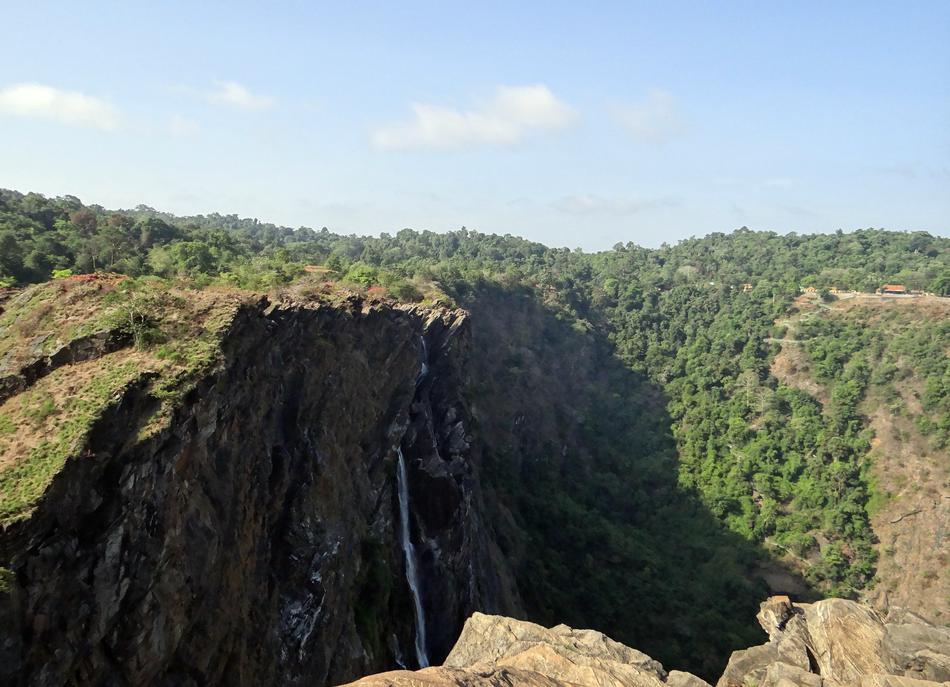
column 412, row 570
column 412, row 573
column 424, row 370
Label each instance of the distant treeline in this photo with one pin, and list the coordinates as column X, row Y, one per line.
column 39, row 236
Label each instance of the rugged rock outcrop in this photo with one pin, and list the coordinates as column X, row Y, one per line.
column 494, row 650
column 831, row 643
column 253, row 539
column 838, row 642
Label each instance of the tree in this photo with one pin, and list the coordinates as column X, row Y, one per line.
column 84, row 220
column 941, row 285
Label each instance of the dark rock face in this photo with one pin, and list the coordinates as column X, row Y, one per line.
column 254, row 540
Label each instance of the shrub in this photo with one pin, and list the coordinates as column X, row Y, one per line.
column 6, row 425
column 40, row 410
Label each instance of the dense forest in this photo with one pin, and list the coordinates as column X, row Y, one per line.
column 667, row 430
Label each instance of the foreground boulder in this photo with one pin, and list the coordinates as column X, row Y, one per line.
column 494, row 650
column 831, row 643
column 838, row 642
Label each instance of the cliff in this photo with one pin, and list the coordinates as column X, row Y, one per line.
column 221, row 506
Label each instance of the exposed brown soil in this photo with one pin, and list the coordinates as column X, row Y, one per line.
column 913, row 526
column 912, row 516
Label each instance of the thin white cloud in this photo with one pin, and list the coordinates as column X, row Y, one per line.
column 904, row 171
column 234, row 94
column 729, row 181
column 912, row 171
column 799, row 211
column 656, row 119
column 182, row 126
column 38, row 101
column 589, row 204
column 507, row 118
column 769, row 182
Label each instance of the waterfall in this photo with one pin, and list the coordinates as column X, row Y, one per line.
column 412, row 573
column 424, row 354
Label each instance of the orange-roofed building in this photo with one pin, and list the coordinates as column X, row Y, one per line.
column 893, row 289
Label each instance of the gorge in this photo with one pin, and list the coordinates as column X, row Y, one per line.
column 207, row 483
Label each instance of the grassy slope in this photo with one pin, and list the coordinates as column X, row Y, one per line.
column 175, row 333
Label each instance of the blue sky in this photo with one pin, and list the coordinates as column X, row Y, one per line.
column 578, row 124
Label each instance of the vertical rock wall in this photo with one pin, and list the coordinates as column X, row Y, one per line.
column 254, row 540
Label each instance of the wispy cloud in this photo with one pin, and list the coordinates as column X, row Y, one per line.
column 656, row 119
column 236, row 95
column 799, row 211
column 912, row 171
column 182, row 126
column 588, row 204
column 778, row 182
column 39, row 101
column 904, row 171
column 513, row 113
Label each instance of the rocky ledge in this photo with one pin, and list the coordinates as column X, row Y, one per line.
column 839, row 642
column 494, row 650
column 830, row 643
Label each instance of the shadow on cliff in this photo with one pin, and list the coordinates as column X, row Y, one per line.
column 580, row 469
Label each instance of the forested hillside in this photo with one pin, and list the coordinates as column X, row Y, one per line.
column 640, row 445
column 884, row 361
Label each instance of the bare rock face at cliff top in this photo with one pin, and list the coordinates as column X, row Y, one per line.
column 494, row 650
column 838, row 642
column 831, row 643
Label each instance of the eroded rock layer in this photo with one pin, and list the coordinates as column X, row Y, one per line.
column 831, row 643
column 494, row 650
column 839, row 642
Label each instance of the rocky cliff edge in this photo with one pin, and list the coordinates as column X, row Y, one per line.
column 831, row 643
